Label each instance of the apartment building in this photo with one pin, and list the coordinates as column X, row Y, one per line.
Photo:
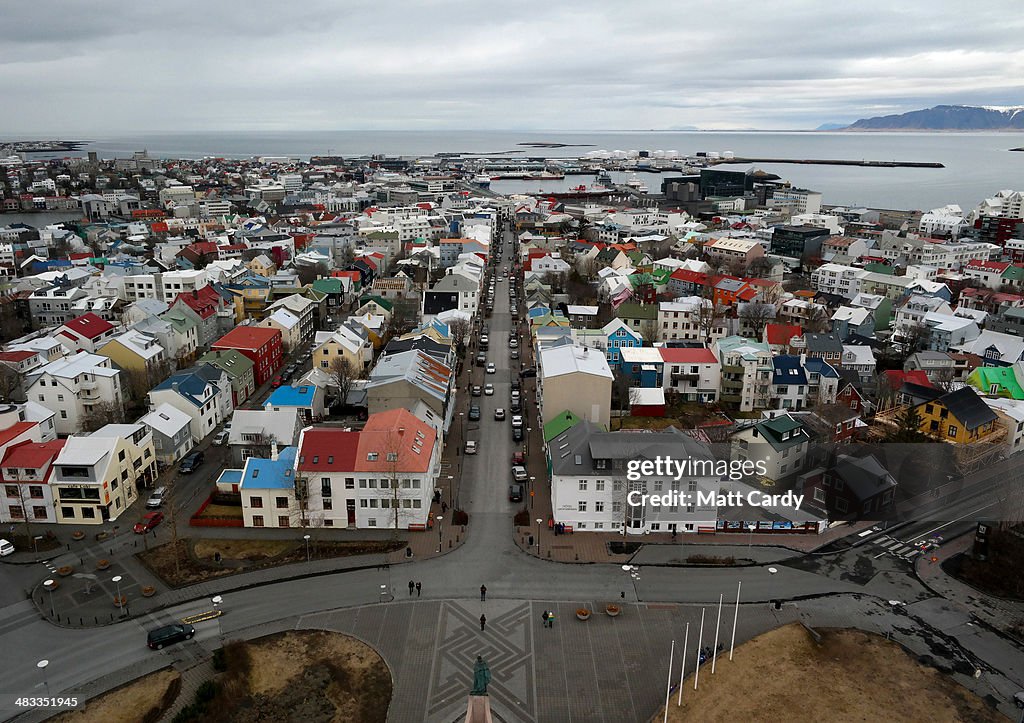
column 381, row 477
column 590, row 491
column 25, row 471
column 99, row 476
column 836, row 279
column 746, row 372
column 73, row 387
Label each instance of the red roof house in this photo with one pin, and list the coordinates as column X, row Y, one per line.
column 260, row 344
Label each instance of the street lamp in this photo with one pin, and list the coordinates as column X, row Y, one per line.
column 117, row 581
column 451, row 483
column 532, row 480
column 42, row 667
column 440, row 519
column 526, row 442
column 217, row 600
column 306, row 538
column 49, row 585
column 540, row 521
column 750, row 538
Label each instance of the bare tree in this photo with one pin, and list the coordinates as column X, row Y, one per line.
column 460, row 329
column 760, row 268
column 101, row 414
column 10, row 384
column 709, row 317
column 342, row 373
column 403, row 315
column 649, row 332
column 755, row 316
column 818, row 319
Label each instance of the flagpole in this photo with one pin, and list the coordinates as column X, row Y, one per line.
column 714, row 652
column 682, row 668
column 668, row 683
column 700, row 641
column 735, row 617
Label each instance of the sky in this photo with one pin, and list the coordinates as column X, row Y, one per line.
column 110, row 65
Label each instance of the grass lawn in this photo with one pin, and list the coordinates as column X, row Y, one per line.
column 196, row 563
column 141, row 699
column 645, row 423
column 221, row 511
column 850, row 676
column 302, row 675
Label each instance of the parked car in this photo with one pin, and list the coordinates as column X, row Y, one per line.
column 471, row 446
column 6, row 548
column 517, row 434
column 157, row 498
column 148, row 522
column 191, row 462
column 474, row 413
column 491, row 369
column 499, row 414
column 515, row 406
column 477, row 391
column 489, row 390
column 514, row 355
column 277, row 382
column 481, row 359
column 513, row 343
column 515, row 493
column 528, row 372
column 221, row 438
column 169, row 634
column 517, row 385
column 517, row 420
column 519, row 473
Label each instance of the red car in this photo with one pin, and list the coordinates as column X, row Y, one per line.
column 276, row 383
column 149, row 521
column 518, row 458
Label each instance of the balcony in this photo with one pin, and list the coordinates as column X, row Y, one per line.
column 732, row 384
column 732, row 398
column 685, row 377
column 733, row 369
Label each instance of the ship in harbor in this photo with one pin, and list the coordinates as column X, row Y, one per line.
column 528, row 176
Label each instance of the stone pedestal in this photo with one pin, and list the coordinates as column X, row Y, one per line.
column 478, row 710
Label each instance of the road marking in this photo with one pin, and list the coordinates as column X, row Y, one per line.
column 947, row 524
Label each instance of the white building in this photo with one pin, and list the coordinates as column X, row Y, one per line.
column 946, row 221
column 73, row 387
column 590, row 489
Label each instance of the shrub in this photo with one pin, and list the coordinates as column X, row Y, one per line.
column 460, row 517
column 219, row 664
column 206, row 691
column 522, row 518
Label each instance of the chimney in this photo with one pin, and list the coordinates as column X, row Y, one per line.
column 273, row 450
column 401, row 430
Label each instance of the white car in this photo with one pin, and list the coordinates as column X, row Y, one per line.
column 491, row 369
column 156, row 499
column 517, row 420
column 222, row 437
column 471, row 447
column 489, row 390
column 519, row 473
column 499, row 414
column 6, row 548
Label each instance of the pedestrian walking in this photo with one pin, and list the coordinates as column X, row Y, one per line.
column 483, row 622
column 551, row 619
column 418, row 588
column 444, row 507
column 483, row 593
column 544, row 618
column 412, row 586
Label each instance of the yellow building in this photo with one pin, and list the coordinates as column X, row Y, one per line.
column 960, row 417
column 136, row 352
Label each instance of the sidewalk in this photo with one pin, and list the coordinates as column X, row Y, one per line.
column 1006, row 616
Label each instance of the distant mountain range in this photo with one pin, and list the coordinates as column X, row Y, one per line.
column 943, row 118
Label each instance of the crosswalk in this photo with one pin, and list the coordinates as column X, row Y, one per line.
column 898, row 548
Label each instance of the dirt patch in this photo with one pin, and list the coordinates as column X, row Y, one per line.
column 214, row 511
column 144, row 699
column 1002, row 574
column 242, row 550
column 307, row 675
column 197, row 558
column 851, row 676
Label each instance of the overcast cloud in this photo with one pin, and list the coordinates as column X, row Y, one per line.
column 107, row 65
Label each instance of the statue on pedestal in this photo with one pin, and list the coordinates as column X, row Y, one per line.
column 481, row 677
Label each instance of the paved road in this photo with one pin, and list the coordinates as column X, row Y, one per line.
column 571, row 674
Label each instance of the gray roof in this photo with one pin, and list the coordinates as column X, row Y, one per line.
column 573, row 452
